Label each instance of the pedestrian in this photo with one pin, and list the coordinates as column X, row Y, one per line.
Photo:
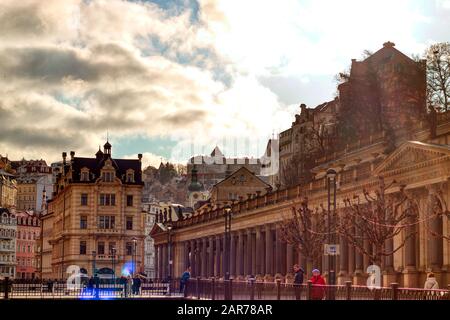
column 298, row 280
column 184, row 279
column 318, row 285
column 91, row 286
column 129, row 285
column 431, row 282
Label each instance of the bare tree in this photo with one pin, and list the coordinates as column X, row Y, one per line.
column 378, row 221
column 305, row 230
column 438, row 76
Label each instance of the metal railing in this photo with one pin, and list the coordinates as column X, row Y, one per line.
column 207, row 289
column 85, row 289
column 259, row 290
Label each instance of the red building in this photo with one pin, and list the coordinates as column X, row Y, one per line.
column 28, row 230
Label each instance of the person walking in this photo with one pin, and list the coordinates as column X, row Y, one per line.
column 318, row 285
column 431, row 282
column 184, row 279
column 298, row 280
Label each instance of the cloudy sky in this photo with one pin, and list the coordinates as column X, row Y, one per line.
column 172, row 78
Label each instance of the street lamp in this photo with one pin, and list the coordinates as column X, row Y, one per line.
column 331, row 182
column 113, row 255
column 169, row 250
column 134, row 255
column 228, row 214
column 169, row 253
column 94, row 255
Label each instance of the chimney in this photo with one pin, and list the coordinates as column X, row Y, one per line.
column 388, row 44
column 72, row 155
column 64, row 156
column 140, row 157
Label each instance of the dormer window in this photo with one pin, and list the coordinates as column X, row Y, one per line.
column 84, row 174
column 130, row 176
column 107, row 176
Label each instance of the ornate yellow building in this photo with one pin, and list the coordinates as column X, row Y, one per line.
column 389, row 136
column 95, row 219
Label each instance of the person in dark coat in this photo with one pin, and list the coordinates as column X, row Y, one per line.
column 298, row 280
column 318, row 286
column 184, row 279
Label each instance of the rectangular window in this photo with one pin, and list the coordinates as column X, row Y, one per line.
column 101, row 248
column 107, row 199
column 84, row 199
column 111, row 248
column 129, row 223
column 129, row 200
column 129, row 248
column 82, row 247
column 85, row 176
column 106, row 222
column 83, row 222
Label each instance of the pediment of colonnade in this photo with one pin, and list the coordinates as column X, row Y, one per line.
column 414, row 161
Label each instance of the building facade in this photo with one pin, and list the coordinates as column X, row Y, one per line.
column 28, row 233
column 8, row 190
column 390, row 136
column 95, row 220
column 8, row 231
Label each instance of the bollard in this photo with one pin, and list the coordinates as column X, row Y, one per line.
column 348, row 290
column 394, row 291
column 278, row 289
column 309, row 290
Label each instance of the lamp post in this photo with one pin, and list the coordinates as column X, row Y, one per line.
column 94, row 255
column 331, row 216
column 113, row 255
column 169, row 254
column 228, row 214
column 134, row 255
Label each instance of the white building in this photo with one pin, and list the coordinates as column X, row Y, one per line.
column 8, row 231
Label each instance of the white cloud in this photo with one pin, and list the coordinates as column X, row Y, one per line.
column 71, row 70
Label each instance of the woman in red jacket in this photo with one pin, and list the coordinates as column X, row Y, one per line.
column 318, row 285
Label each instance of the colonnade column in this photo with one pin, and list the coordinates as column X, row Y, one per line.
column 218, row 250
column 211, row 257
column 239, row 255
column 204, row 258
column 233, row 254
column 259, row 252
column 269, row 252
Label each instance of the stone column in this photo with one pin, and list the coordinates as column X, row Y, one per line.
column 410, row 275
column 248, row 253
column 218, row 252
column 289, row 262
column 211, row 257
column 165, row 261
column 204, row 258
column 157, row 258
column 193, row 263
column 198, row 257
column 358, row 276
column 269, row 253
column 254, row 253
column 233, row 255
column 278, row 253
column 259, row 252
column 187, row 263
column 343, row 261
column 240, row 255
column 435, row 243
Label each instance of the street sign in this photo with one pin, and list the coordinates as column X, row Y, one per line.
column 331, row 249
